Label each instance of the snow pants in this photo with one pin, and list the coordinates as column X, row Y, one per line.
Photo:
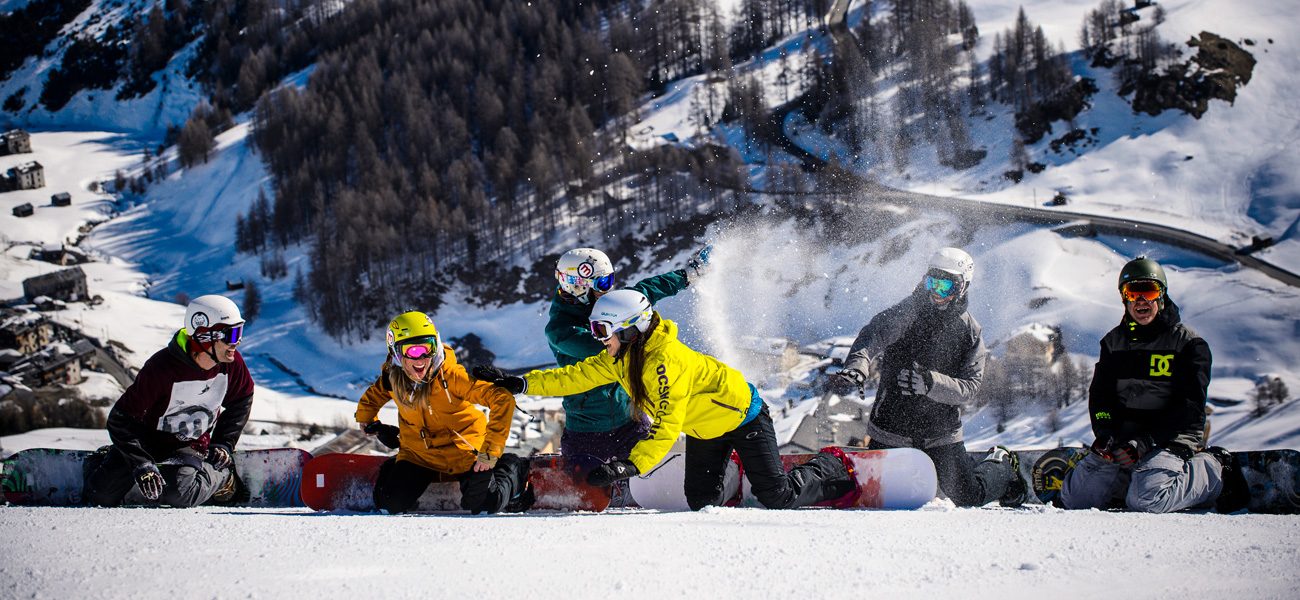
column 1161, row 482
column 822, row 478
column 603, row 446
column 401, row 483
column 190, row 481
column 962, row 479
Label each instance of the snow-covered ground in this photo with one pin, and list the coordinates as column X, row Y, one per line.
column 937, row 552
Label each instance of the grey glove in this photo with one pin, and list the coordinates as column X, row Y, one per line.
column 915, row 381
column 846, row 382
column 150, row 480
column 698, row 264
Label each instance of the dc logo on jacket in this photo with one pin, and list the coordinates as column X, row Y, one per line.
column 1162, row 365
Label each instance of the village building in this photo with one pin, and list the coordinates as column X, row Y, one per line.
column 56, row 364
column 828, row 421
column 24, row 210
column 771, row 355
column 15, row 141
column 68, row 285
column 25, row 332
column 61, row 199
column 58, row 254
column 27, row 176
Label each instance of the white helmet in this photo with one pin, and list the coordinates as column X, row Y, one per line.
column 618, row 311
column 952, row 262
column 210, row 313
column 583, row 269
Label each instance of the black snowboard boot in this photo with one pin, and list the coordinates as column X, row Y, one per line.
column 1236, row 492
column 92, row 462
column 514, row 472
column 1017, row 490
column 838, row 476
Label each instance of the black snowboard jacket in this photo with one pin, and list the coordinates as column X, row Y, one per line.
column 174, row 404
column 1151, row 381
column 946, row 343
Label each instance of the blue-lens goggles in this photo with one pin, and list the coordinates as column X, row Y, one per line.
column 230, row 335
column 600, row 284
column 939, row 286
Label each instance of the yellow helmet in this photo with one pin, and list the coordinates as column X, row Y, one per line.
column 411, row 328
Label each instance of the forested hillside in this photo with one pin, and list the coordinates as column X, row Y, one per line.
column 435, row 141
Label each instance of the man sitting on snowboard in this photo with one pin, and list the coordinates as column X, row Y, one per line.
column 929, row 354
column 174, row 430
column 1147, row 405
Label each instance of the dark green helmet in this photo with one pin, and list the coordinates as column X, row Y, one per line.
column 1143, row 268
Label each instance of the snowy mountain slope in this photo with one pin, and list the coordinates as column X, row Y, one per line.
column 773, row 277
column 168, row 104
column 74, row 162
column 1227, row 175
column 138, row 324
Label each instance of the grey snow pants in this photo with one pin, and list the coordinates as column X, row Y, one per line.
column 1161, row 482
column 190, row 481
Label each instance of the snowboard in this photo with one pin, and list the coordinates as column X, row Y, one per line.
column 899, row 479
column 1044, row 469
column 1273, row 476
column 347, row 482
column 53, row 477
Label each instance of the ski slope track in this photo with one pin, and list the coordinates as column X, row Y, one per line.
column 935, row 552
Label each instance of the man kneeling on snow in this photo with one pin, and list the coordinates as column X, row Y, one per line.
column 174, row 430
column 1147, row 403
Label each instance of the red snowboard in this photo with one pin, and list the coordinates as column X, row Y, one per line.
column 347, row 482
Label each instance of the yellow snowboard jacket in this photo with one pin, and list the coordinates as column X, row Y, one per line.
column 691, row 392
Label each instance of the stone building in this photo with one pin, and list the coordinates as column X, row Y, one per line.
column 15, row 141
column 68, row 285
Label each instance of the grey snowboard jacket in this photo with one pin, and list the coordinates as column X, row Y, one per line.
column 946, row 343
column 1152, row 382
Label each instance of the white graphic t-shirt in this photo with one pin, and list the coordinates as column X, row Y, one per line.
column 194, row 407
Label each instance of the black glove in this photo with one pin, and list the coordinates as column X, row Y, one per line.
column 512, row 383
column 219, row 456
column 387, row 434
column 614, row 470
column 150, row 480
column 846, row 382
column 915, row 381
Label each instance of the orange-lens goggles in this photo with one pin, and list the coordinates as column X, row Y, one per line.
column 1144, row 290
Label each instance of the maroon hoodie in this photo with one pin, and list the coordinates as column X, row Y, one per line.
column 173, row 404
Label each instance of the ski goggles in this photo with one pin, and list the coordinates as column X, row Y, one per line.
column 603, row 330
column 940, row 286
column 600, row 284
column 231, row 335
column 1144, row 289
column 417, row 351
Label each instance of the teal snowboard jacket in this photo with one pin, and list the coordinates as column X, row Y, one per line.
column 605, row 408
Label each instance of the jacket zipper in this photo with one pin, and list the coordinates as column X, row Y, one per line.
column 727, row 406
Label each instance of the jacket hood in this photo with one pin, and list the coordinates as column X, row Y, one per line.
column 662, row 335
column 179, row 349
